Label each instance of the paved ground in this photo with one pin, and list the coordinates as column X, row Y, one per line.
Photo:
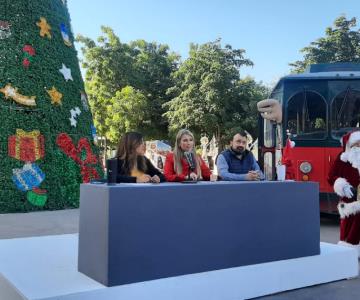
column 66, row 221
column 39, row 223
column 339, row 290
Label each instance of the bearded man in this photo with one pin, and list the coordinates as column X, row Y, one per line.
column 344, row 176
column 237, row 163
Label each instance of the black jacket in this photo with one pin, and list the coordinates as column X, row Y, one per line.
column 151, row 170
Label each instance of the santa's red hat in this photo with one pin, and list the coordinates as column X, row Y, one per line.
column 347, row 141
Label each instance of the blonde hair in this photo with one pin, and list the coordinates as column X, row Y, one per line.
column 179, row 153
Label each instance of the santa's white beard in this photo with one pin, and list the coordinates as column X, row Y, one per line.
column 354, row 157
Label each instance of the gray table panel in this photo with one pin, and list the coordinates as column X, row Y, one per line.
column 131, row 233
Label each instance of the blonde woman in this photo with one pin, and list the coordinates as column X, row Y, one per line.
column 183, row 163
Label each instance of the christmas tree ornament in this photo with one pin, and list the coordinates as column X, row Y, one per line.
column 44, row 28
column 65, row 143
column 88, row 173
column 26, row 146
column 4, row 30
column 11, row 92
column 26, row 62
column 29, row 53
column 28, row 177
column 66, row 72
column 84, row 101
column 55, row 96
column 37, row 197
column 65, row 35
column 82, row 155
column 74, row 113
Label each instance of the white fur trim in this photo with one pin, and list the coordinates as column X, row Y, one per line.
column 346, row 244
column 344, row 156
column 348, row 209
column 292, row 144
column 339, row 185
column 354, row 137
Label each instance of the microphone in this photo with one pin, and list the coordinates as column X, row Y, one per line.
column 112, row 169
column 190, row 160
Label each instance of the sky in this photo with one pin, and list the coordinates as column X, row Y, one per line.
column 272, row 32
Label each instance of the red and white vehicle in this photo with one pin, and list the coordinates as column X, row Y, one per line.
column 319, row 107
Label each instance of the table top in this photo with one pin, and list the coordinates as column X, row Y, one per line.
column 184, row 184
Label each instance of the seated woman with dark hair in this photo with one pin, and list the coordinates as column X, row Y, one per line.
column 133, row 166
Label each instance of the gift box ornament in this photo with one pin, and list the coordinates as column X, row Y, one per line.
column 26, row 146
column 28, row 177
column 37, row 197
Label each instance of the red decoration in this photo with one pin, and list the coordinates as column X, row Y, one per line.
column 39, row 191
column 26, row 146
column 287, row 160
column 66, row 144
column 29, row 49
column 29, row 53
column 26, row 63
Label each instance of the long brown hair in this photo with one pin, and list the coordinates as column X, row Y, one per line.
column 126, row 151
column 179, row 153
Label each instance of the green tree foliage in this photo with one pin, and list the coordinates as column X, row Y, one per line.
column 126, row 111
column 111, row 66
column 208, row 95
column 341, row 44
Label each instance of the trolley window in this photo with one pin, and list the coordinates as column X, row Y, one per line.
column 306, row 116
column 345, row 112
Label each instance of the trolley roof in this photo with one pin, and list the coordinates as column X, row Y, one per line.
column 328, row 71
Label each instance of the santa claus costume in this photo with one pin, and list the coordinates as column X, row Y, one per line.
column 344, row 176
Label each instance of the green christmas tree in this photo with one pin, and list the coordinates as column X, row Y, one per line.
column 46, row 131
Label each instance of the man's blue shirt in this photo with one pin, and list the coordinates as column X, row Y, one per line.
column 231, row 168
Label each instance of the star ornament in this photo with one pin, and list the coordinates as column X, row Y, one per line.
column 74, row 113
column 66, row 73
column 44, row 28
column 73, row 121
column 55, row 96
column 12, row 93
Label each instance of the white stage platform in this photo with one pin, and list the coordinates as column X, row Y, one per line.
column 45, row 268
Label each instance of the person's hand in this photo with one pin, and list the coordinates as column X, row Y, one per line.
column 213, row 177
column 143, row 178
column 253, row 175
column 155, row 179
column 193, row 176
column 348, row 191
